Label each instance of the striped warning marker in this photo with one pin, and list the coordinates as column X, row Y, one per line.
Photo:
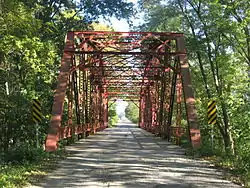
column 212, row 112
column 36, row 111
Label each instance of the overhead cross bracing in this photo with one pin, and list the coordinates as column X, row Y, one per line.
column 148, row 68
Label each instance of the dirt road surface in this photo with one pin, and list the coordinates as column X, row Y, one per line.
column 129, row 157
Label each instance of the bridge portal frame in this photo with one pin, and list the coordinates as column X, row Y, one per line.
column 159, row 78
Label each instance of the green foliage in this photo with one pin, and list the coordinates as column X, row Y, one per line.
column 23, row 154
column 27, row 66
column 132, row 112
column 20, row 174
column 113, row 121
column 106, row 8
column 217, row 38
column 32, row 37
column 113, row 117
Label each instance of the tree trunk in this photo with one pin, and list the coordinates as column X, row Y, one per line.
column 228, row 140
column 225, row 131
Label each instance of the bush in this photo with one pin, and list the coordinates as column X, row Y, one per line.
column 113, row 120
column 113, row 117
column 27, row 164
column 132, row 112
column 23, row 155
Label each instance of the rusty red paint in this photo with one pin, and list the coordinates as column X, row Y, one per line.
column 136, row 66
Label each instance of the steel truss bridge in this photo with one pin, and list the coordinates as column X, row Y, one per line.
column 147, row 68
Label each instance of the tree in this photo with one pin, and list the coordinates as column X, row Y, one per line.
column 113, row 117
column 32, row 38
column 132, row 112
column 217, row 38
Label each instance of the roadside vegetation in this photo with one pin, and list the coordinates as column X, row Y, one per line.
column 24, row 166
column 32, row 36
column 132, row 112
column 113, row 116
column 218, row 46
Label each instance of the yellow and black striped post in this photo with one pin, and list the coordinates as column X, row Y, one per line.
column 36, row 111
column 212, row 112
column 37, row 117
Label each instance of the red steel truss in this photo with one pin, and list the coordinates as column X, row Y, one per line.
column 148, row 68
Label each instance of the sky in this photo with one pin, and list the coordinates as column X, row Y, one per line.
column 119, row 25
column 121, row 106
column 122, row 25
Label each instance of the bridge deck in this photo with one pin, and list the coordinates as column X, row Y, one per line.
column 127, row 156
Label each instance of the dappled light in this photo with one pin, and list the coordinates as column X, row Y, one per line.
column 127, row 156
column 143, row 68
column 124, row 93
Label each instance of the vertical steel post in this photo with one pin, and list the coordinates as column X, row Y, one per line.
column 75, row 92
column 57, row 109
column 158, row 129
column 156, row 101
column 70, row 105
column 105, row 104
column 140, row 111
column 171, row 103
column 142, row 107
column 192, row 118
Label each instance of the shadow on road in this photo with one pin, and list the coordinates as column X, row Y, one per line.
column 126, row 156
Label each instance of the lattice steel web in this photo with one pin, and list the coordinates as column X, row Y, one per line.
column 150, row 69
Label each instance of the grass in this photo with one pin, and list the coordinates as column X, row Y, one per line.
column 233, row 172
column 19, row 175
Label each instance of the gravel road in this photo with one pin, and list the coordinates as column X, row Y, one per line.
column 129, row 157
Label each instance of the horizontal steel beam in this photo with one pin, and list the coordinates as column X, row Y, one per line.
column 126, row 67
column 68, row 50
column 119, row 86
column 108, row 33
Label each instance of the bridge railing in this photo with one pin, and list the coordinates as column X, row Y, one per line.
column 80, row 130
